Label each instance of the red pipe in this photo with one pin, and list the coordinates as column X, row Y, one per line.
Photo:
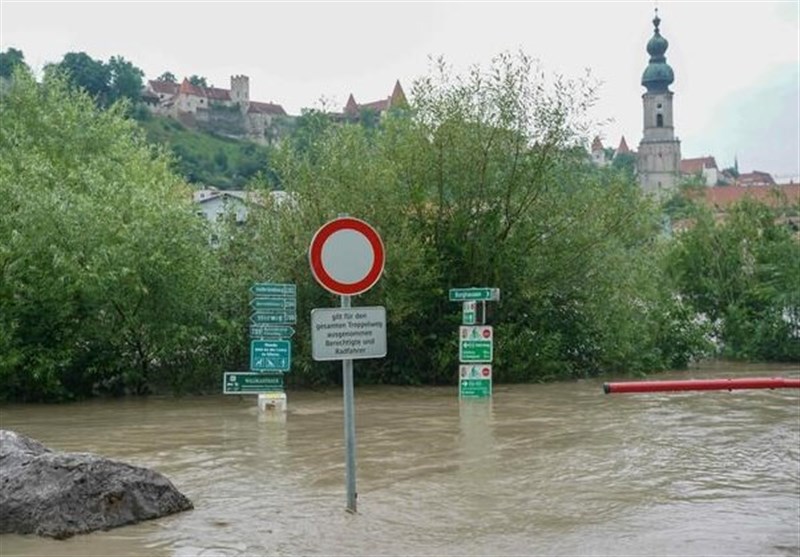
column 702, row 385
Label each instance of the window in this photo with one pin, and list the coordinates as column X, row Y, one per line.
column 658, row 105
column 659, row 120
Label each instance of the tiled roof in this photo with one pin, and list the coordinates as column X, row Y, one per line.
column 398, row 97
column 721, row 197
column 378, row 106
column 163, row 87
column 597, row 145
column 266, row 108
column 755, row 178
column 351, row 107
column 189, row 89
column 623, row 147
column 696, row 166
column 216, row 94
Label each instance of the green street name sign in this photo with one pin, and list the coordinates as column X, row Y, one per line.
column 270, row 355
column 271, row 331
column 277, row 316
column 475, row 388
column 467, row 294
column 236, row 382
column 274, row 303
column 273, row 289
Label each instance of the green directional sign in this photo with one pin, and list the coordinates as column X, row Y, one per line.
column 475, row 351
column 279, row 316
column 469, row 312
column 273, row 289
column 279, row 304
column 475, row 380
column 271, row 331
column 475, row 343
column 236, row 382
column 270, row 355
column 475, row 388
column 466, row 294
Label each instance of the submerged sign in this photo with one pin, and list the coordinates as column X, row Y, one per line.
column 270, row 355
column 241, row 382
column 475, row 381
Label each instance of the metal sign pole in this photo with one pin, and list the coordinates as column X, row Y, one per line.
column 349, row 426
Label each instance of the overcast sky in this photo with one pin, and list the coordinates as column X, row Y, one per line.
column 737, row 83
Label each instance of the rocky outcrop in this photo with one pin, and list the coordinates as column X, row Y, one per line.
column 61, row 494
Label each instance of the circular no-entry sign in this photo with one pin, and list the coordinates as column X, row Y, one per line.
column 346, row 256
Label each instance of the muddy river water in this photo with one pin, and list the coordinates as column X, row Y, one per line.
column 557, row 469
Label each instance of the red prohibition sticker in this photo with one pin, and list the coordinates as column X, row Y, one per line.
column 346, row 256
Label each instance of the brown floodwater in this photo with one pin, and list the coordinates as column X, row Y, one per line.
column 557, row 469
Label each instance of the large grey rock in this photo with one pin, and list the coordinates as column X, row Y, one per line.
column 62, row 494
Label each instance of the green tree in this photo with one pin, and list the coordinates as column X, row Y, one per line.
column 125, row 80
column 625, row 162
column 84, row 72
column 741, row 275
column 104, row 268
column 198, row 81
column 167, row 76
column 9, row 60
column 480, row 183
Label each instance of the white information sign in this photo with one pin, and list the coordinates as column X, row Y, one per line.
column 348, row 333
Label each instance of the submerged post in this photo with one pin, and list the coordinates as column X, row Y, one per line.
column 702, row 385
column 349, row 426
column 346, row 257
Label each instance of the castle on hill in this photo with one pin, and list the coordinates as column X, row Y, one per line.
column 231, row 112
column 227, row 110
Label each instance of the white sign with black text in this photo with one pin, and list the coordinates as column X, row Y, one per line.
column 348, row 333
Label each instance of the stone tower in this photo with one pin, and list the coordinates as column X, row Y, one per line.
column 240, row 90
column 659, row 158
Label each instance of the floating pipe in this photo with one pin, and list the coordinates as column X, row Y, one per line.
column 702, row 385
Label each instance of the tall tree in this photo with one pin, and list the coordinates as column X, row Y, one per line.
column 84, row 72
column 125, row 81
column 9, row 60
column 479, row 183
column 167, row 76
column 198, row 81
column 741, row 274
column 104, row 267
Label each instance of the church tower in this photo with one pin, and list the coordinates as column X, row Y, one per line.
column 659, row 157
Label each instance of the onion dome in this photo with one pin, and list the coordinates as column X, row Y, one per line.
column 658, row 74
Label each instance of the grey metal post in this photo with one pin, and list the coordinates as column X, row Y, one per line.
column 349, row 426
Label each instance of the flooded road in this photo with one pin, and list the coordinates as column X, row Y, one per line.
column 558, row 469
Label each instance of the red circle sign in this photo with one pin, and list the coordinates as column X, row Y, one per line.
column 346, row 256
